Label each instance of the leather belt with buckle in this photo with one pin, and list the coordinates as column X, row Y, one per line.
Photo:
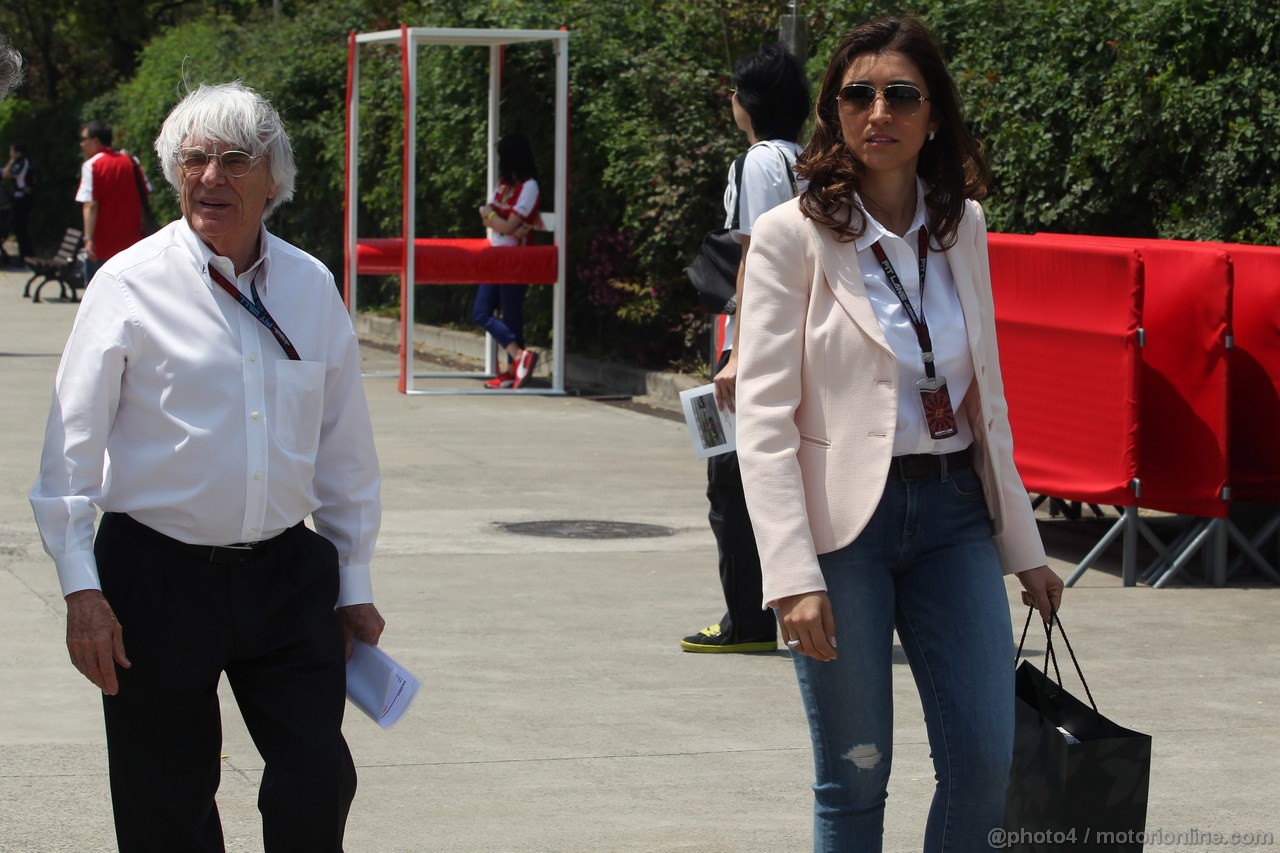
column 240, row 552
column 918, row 466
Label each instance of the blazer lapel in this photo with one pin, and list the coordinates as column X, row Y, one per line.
column 839, row 262
column 963, row 264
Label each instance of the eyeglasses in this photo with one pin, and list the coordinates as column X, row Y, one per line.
column 235, row 164
column 902, row 99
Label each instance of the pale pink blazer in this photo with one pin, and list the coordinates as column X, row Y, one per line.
column 817, row 399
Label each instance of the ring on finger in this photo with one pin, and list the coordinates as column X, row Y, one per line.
column 793, row 644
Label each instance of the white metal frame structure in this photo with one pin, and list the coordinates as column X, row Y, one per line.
column 410, row 39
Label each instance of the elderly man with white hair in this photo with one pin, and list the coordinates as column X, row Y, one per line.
column 209, row 400
column 10, row 68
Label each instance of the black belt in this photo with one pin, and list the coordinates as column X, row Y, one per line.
column 241, row 552
column 917, row 466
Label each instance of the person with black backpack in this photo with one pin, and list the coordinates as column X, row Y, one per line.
column 770, row 101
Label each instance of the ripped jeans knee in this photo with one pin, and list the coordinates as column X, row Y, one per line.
column 865, row 756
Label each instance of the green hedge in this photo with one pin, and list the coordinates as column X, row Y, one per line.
column 1140, row 117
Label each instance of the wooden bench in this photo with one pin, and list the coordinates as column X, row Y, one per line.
column 63, row 267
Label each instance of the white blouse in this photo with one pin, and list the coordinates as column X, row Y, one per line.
column 943, row 315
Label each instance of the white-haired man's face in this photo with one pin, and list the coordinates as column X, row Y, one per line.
column 226, row 211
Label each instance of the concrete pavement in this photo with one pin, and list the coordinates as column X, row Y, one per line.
column 557, row 711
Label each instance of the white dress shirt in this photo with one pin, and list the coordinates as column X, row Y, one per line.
column 174, row 405
column 943, row 315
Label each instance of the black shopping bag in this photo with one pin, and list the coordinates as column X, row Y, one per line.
column 1078, row 781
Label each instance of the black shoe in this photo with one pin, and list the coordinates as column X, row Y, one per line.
column 711, row 640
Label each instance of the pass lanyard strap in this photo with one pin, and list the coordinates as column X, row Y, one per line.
column 257, row 309
column 917, row 320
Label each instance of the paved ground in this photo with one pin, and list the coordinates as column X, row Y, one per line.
column 558, row 713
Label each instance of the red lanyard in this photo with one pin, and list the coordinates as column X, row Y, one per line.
column 257, row 309
column 917, row 320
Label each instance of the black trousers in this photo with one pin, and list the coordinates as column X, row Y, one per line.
column 22, row 227
column 743, row 621
column 269, row 624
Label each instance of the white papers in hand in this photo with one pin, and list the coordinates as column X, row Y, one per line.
column 711, row 428
column 379, row 686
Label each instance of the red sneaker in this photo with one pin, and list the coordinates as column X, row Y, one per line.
column 505, row 379
column 524, row 366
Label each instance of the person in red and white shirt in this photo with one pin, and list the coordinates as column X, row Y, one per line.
column 109, row 191
column 510, row 216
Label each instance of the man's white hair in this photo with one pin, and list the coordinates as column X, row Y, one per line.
column 237, row 117
column 10, row 68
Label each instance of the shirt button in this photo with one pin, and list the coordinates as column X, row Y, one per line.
column 254, row 415
column 253, row 356
column 257, row 475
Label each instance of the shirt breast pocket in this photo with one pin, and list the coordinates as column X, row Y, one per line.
column 299, row 404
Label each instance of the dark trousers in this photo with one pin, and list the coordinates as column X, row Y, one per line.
column 269, row 624
column 744, row 620
column 22, row 226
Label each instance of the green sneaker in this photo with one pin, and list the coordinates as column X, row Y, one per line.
column 711, row 640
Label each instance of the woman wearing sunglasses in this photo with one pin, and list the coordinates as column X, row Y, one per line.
column 875, row 444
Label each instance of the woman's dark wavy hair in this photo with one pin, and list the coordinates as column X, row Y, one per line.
column 515, row 159
column 774, row 91
column 952, row 164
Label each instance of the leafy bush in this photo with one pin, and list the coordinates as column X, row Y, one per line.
column 1142, row 117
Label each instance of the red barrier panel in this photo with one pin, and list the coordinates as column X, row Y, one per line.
column 1255, row 373
column 1183, row 463
column 461, row 261
column 1067, row 317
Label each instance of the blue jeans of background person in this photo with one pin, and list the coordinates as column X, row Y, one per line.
column 510, row 327
column 91, row 267
column 926, row 565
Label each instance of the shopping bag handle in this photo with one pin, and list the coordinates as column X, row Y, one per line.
column 1050, row 654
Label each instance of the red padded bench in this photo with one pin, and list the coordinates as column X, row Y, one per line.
column 459, row 261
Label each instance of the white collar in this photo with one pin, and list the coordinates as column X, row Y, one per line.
column 204, row 256
column 876, row 231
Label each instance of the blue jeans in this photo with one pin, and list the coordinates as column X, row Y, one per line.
column 510, row 328
column 925, row 565
column 91, row 268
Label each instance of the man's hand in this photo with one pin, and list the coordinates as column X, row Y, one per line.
column 360, row 622
column 726, row 383
column 95, row 639
column 1042, row 589
column 807, row 617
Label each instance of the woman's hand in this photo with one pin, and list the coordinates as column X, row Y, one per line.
column 1042, row 589
column 807, row 617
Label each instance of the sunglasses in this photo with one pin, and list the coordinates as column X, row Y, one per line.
column 235, row 164
column 902, row 99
